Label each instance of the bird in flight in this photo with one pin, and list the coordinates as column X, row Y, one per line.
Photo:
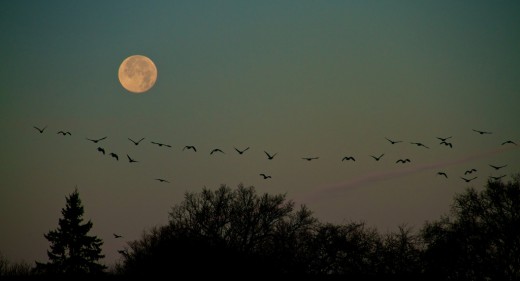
column 419, row 144
column 64, row 133
column 402, row 160
column 216, row 150
column 265, row 176
column 442, row 174
column 114, row 155
column 130, row 159
column 310, row 158
column 447, row 144
column 40, row 130
column 468, row 180
column 162, row 180
column 117, row 235
column 348, row 158
column 269, row 156
column 392, row 141
column 377, row 158
column 497, row 167
column 102, row 150
column 497, row 178
column 190, row 147
column 481, row 132
column 444, row 139
column 136, row 142
column 509, row 141
column 96, row 141
column 241, row 151
column 161, row 144
column 470, row 171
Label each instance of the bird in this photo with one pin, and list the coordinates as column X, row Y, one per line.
column 216, row 150
column 122, row 252
column 310, row 158
column 64, row 133
column 481, row 132
column 497, row 178
column 447, row 144
column 402, row 160
column 130, row 159
column 265, row 176
column 190, row 147
column 102, row 150
column 96, row 141
column 419, row 144
column 444, row 139
column 497, row 167
column 136, row 142
column 241, row 151
column 470, row 171
column 117, row 235
column 114, row 155
column 269, row 156
column 348, row 158
column 392, row 141
column 377, row 158
column 162, row 180
column 509, row 141
column 468, row 180
column 161, row 144
column 40, row 130
column 442, row 174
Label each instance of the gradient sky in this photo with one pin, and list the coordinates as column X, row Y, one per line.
column 300, row 78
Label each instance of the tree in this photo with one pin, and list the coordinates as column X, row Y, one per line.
column 72, row 251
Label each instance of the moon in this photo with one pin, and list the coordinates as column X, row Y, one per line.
column 137, row 74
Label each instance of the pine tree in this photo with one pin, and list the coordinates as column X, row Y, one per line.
column 72, row 251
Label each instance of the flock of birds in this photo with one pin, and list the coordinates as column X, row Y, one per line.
column 270, row 156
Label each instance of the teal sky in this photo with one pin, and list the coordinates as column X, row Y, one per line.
column 300, row 78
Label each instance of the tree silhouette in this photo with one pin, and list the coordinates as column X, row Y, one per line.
column 72, row 251
column 481, row 238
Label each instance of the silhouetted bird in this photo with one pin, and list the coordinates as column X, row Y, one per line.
column 162, row 180
column 419, row 144
column 96, row 141
column 481, row 132
column 161, row 144
column 447, row 144
column 470, row 171
column 468, row 180
column 402, row 160
column 117, row 236
column 190, row 147
column 348, row 158
column 269, row 156
column 40, row 130
column 131, row 160
column 114, row 155
column 442, row 174
column 265, row 176
column 497, row 167
column 216, row 150
column 377, row 158
column 509, row 141
column 392, row 141
column 497, row 178
column 64, row 133
column 102, row 150
column 444, row 139
column 136, row 142
column 241, row 151
column 310, row 158
column 122, row 252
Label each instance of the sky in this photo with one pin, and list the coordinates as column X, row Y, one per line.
column 323, row 79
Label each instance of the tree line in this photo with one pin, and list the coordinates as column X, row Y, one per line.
column 240, row 233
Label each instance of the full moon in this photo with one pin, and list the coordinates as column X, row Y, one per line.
column 137, row 74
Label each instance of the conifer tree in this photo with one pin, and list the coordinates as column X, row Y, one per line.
column 72, row 250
